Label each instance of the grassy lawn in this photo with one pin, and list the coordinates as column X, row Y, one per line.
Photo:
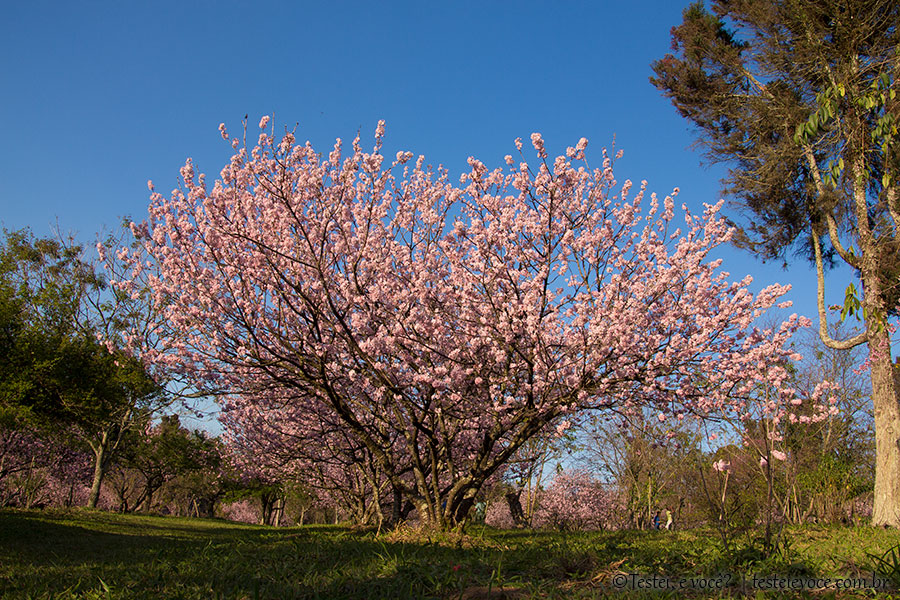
column 85, row 554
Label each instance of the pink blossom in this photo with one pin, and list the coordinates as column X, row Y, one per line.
column 778, row 455
column 723, row 466
column 538, row 142
column 498, row 515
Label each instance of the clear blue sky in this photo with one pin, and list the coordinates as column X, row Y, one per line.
column 99, row 97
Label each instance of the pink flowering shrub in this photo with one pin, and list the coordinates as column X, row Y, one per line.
column 576, row 500
column 242, row 511
column 38, row 471
column 861, row 506
column 66, row 492
column 497, row 515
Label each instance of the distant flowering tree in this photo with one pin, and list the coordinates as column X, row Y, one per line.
column 498, row 515
column 242, row 511
column 41, row 470
column 575, row 499
column 20, row 453
column 521, row 477
column 445, row 325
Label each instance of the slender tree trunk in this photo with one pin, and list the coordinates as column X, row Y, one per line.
column 769, row 492
column 278, row 510
column 263, row 509
column 103, row 451
column 99, row 472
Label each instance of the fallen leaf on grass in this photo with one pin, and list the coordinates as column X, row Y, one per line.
column 610, row 570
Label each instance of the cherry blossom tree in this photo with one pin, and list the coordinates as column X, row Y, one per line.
column 41, row 470
column 20, row 453
column 576, row 500
column 444, row 325
column 524, row 472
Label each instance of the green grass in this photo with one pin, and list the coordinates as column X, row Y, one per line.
column 87, row 554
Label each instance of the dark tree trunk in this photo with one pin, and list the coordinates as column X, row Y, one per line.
column 515, row 507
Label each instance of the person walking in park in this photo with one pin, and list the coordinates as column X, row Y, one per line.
column 480, row 511
column 656, row 520
column 670, row 523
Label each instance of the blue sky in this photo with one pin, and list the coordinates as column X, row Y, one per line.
column 99, row 97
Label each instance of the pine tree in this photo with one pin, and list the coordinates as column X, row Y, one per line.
column 799, row 99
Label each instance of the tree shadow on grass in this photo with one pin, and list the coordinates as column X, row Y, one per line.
column 44, row 555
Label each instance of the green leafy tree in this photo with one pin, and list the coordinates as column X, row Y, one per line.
column 799, row 99
column 65, row 372
column 159, row 456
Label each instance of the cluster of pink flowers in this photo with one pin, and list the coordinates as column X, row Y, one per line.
column 722, row 466
column 497, row 515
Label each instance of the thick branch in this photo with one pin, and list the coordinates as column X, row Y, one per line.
column 823, row 318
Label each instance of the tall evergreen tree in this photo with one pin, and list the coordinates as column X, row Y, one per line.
column 799, row 99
